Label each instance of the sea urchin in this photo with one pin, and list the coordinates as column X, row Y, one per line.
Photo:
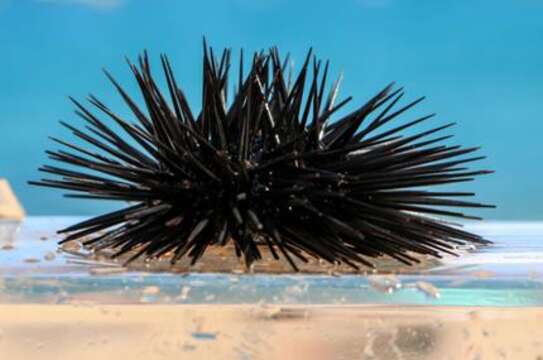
column 268, row 168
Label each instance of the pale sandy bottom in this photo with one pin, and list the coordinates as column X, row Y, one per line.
column 130, row 332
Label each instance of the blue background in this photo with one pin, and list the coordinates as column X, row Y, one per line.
column 479, row 62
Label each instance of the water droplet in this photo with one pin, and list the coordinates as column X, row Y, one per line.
column 384, row 283
column 50, row 256
column 184, row 293
column 428, row 289
column 151, row 290
column 204, row 335
column 188, row 347
column 294, row 290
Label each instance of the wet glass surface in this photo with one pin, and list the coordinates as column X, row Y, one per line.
column 508, row 273
column 484, row 304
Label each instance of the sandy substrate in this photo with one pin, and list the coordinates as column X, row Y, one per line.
column 130, row 332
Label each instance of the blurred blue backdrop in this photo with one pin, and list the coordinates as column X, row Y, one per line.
column 479, row 62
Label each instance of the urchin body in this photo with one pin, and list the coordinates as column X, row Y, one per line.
column 269, row 168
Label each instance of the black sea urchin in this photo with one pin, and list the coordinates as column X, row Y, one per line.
column 268, row 168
